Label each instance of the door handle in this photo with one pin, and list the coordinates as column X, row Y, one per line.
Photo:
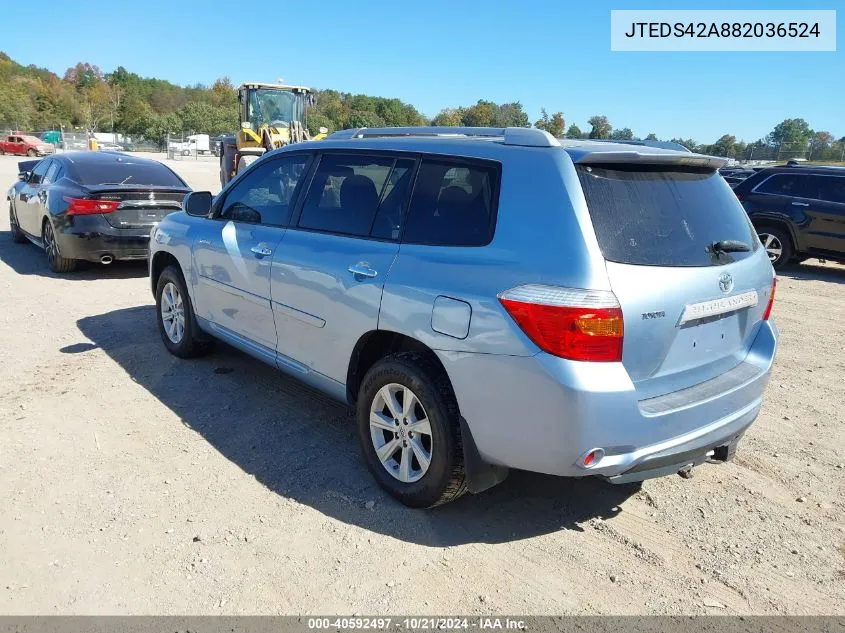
column 262, row 250
column 362, row 269
column 800, row 204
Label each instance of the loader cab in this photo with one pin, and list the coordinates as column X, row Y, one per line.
column 263, row 105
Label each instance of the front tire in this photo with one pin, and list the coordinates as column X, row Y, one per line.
column 408, row 426
column 175, row 316
column 32, row 153
column 55, row 261
column 17, row 235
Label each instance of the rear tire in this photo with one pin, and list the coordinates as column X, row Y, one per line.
column 17, row 235
column 175, row 317
column 778, row 246
column 55, row 261
column 437, row 440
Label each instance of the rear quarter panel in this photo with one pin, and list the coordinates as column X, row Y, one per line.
column 543, row 235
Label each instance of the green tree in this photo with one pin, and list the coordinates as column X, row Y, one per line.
column 792, row 132
column 574, row 132
column 364, row 118
column 554, row 124
column 480, row 115
column 510, row 115
column 624, row 134
column 690, row 144
column 601, row 127
column 316, row 120
column 16, row 107
column 449, row 117
column 725, row 146
column 651, row 137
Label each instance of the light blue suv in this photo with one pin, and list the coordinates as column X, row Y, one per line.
column 487, row 299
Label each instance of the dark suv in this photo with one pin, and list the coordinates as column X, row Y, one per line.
column 798, row 212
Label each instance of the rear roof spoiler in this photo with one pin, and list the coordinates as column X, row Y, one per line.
column 645, row 157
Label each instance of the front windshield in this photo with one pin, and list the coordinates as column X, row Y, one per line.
column 267, row 106
column 32, row 139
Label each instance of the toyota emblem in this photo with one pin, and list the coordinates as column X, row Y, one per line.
column 726, row 282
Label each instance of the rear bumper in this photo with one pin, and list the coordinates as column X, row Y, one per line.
column 93, row 238
column 544, row 414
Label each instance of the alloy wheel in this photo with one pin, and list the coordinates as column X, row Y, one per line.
column 172, row 313
column 774, row 249
column 401, row 433
column 50, row 246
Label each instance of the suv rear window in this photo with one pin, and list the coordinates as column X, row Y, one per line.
column 125, row 172
column 663, row 217
column 453, row 204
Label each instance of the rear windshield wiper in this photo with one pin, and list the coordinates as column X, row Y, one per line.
column 729, row 246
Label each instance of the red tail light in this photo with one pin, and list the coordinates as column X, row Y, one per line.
column 84, row 206
column 768, row 311
column 577, row 324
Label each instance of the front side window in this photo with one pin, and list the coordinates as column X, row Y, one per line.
column 265, row 194
column 783, row 185
column 453, row 204
column 344, row 194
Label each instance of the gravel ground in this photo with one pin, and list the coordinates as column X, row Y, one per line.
column 135, row 483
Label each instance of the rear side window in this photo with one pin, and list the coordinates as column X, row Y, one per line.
column 39, row 171
column 827, row 188
column 344, row 194
column 50, row 176
column 783, row 185
column 125, row 171
column 660, row 217
column 453, row 204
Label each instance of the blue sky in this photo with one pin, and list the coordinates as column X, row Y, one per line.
column 439, row 53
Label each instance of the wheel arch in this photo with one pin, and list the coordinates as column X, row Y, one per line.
column 160, row 261
column 777, row 222
column 374, row 345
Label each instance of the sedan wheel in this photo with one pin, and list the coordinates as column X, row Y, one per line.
column 773, row 246
column 57, row 263
column 173, row 313
column 401, row 433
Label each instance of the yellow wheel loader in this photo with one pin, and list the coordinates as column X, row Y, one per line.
column 272, row 115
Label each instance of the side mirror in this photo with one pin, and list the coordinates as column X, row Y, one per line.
column 24, row 176
column 324, row 130
column 246, row 125
column 197, row 203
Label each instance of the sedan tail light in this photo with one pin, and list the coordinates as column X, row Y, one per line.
column 87, row 206
column 573, row 323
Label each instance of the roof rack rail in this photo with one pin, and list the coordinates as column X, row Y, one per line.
column 524, row 136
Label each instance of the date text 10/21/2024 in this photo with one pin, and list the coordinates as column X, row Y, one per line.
column 418, row 623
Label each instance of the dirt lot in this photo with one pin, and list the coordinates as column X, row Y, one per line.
column 135, row 483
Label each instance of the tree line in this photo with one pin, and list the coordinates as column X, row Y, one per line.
column 85, row 98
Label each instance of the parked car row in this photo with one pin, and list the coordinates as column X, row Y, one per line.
column 25, row 145
column 92, row 206
column 485, row 298
column 798, row 211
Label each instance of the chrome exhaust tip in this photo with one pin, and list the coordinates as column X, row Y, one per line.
column 106, row 259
